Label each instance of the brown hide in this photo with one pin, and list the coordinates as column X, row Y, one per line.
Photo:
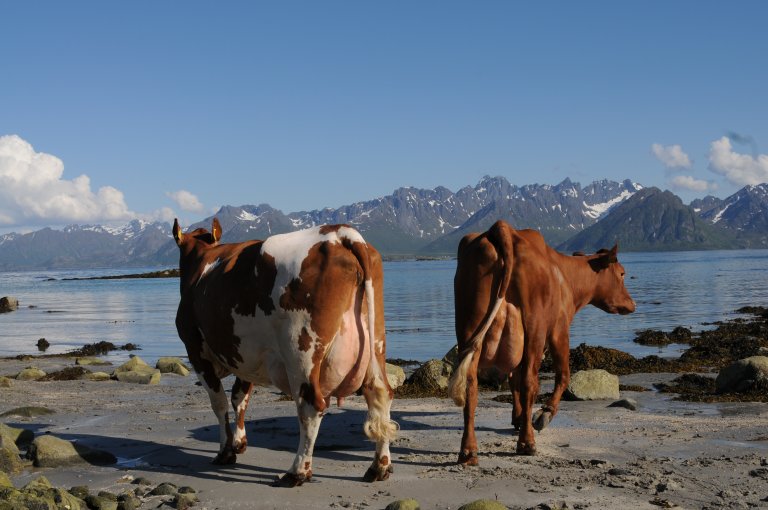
column 515, row 296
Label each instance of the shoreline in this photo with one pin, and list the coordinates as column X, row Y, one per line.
column 692, row 455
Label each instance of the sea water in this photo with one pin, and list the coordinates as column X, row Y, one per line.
column 671, row 289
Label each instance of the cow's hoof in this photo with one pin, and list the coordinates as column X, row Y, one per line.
column 377, row 475
column 239, row 447
column 468, row 458
column 541, row 419
column 225, row 458
column 291, row 480
column 526, row 449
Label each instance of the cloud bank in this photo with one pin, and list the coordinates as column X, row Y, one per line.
column 689, row 183
column 671, row 156
column 739, row 169
column 33, row 190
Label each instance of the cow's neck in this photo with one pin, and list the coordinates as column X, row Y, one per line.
column 580, row 278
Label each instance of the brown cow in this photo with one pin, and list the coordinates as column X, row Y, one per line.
column 515, row 297
column 303, row 311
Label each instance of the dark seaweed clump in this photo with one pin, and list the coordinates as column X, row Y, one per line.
column 699, row 388
column 66, row 374
column 100, row 348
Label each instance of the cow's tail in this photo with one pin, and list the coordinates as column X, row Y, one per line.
column 501, row 239
column 378, row 425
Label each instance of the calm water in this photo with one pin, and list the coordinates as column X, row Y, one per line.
column 671, row 289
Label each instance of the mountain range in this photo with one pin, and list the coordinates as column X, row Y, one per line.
column 415, row 222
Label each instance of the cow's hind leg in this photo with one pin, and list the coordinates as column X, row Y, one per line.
column 309, row 425
column 220, row 408
column 468, row 452
column 241, row 394
column 379, row 427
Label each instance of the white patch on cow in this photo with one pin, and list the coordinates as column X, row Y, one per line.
column 208, row 267
column 289, row 251
column 270, row 344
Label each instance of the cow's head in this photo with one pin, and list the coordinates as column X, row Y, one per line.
column 192, row 249
column 193, row 239
column 610, row 293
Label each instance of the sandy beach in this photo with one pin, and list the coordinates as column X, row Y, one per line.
column 665, row 454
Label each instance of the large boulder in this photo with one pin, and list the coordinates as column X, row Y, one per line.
column 596, row 384
column 50, row 451
column 8, row 304
column 136, row 371
column 744, row 376
column 88, row 360
column 432, row 375
column 10, row 462
column 21, row 437
column 171, row 365
column 395, row 376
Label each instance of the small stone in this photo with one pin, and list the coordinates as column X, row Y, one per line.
column 626, row 403
column 593, row 384
column 142, row 481
column 99, row 503
column 164, row 489
column 127, row 502
column 483, row 504
column 187, row 490
column 184, row 501
column 80, row 491
column 43, row 344
column 172, row 365
column 404, row 504
column 5, row 382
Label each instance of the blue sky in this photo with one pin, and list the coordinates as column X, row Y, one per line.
column 110, row 111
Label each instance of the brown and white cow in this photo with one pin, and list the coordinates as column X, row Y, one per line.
column 303, row 311
column 515, row 297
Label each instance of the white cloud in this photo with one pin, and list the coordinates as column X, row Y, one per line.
column 186, row 200
column 740, row 169
column 32, row 190
column 689, row 183
column 164, row 214
column 671, row 156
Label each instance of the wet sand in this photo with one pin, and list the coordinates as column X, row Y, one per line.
column 667, row 453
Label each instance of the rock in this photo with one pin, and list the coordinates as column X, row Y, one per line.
column 50, row 451
column 10, row 462
column 96, row 376
column 184, row 501
column 142, row 481
column 483, row 504
column 452, row 357
column 395, row 376
column 187, row 490
column 42, row 345
column 22, row 437
column 404, row 504
column 432, row 375
column 128, row 502
column 5, row 382
column 743, row 376
column 80, row 491
column 5, row 481
column 172, row 366
column 133, row 363
column 593, row 384
column 91, row 361
column 100, row 503
column 681, row 334
column 8, row 304
column 28, row 412
column 626, row 403
column 40, row 482
column 136, row 371
column 30, row 374
column 146, row 375
column 64, row 499
column 164, row 489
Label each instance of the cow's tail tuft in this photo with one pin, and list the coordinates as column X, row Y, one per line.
column 499, row 235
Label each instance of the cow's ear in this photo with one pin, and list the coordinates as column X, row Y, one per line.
column 177, row 235
column 612, row 258
column 216, row 230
